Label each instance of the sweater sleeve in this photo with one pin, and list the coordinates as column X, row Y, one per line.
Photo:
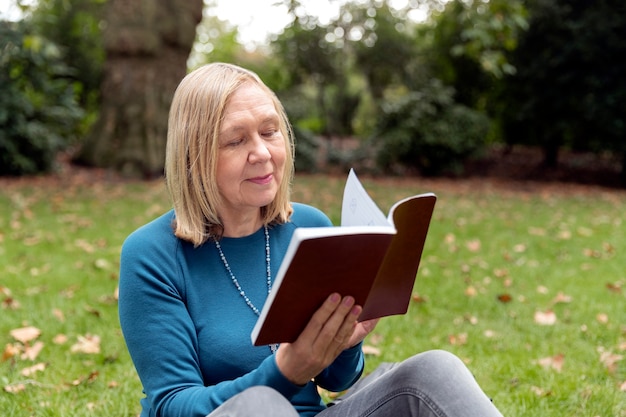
column 344, row 371
column 161, row 337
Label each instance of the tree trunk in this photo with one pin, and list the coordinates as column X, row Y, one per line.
column 147, row 43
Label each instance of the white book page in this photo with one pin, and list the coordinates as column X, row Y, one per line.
column 358, row 208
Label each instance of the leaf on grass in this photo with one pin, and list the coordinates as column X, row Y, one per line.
column 615, row 287
column 86, row 379
column 60, row 316
column 457, row 339
column 101, row 263
column 505, row 298
column 416, row 298
column 59, row 339
column 471, row 291
column 25, row 334
column 489, row 334
column 14, row 388
column 561, row 298
column 8, row 302
column 545, row 318
column 552, row 362
column 565, row 235
column 622, row 386
column 89, row 344
column 609, row 359
column 92, row 310
column 540, row 392
column 31, row 370
column 602, row 318
column 31, row 352
column 10, row 350
column 371, row 350
column 473, row 245
column 85, row 246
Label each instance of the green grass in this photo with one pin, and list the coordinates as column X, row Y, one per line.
column 558, row 249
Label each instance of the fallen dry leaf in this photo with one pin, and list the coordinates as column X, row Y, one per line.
column 561, row 298
column 552, row 362
column 609, row 359
column 14, row 388
column 622, row 386
column 25, row 334
column 489, row 334
column 545, row 318
column 58, row 314
column 371, row 350
column 505, row 298
column 89, row 344
column 10, row 350
column 457, row 339
column 31, row 352
column 40, row 367
column 602, row 318
column 59, row 339
column 8, row 301
column 470, row 291
column 473, row 245
column 615, row 287
column 540, row 391
column 88, row 379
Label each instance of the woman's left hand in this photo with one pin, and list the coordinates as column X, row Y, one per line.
column 361, row 330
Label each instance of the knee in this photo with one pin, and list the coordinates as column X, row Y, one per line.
column 264, row 395
column 437, row 364
column 262, row 400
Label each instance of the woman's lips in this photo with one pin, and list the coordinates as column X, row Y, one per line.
column 266, row 179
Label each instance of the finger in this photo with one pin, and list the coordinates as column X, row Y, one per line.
column 320, row 317
column 339, row 327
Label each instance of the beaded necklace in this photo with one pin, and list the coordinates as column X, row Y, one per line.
column 268, row 271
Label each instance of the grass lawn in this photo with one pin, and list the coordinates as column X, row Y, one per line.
column 525, row 282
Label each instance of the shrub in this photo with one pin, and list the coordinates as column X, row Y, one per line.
column 428, row 131
column 39, row 115
column 307, row 150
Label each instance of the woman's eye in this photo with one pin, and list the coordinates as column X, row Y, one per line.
column 269, row 133
column 234, row 142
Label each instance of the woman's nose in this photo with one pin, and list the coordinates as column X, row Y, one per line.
column 259, row 151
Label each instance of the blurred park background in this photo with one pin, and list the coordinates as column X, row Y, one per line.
column 423, row 87
column 511, row 111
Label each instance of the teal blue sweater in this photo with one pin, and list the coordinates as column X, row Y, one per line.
column 188, row 329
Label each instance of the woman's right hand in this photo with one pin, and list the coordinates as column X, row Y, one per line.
column 327, row 334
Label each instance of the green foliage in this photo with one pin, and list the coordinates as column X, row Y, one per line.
column 385, row 47
column 469, row 44
column 307, row 150
column 75, row 26
column 427, row 130
column 569, row 89
column 39, row 115
column 216, row 41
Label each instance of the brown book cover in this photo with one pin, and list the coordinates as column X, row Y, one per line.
column 377, row 265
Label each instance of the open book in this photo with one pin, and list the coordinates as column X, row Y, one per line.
column 372, row 257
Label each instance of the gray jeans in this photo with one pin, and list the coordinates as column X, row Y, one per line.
column 431, row 384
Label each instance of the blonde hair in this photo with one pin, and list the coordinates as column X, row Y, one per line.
column 194, row 125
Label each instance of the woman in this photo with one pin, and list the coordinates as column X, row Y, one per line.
column 192, row 282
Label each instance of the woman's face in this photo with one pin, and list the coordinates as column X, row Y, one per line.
column 251, row 155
